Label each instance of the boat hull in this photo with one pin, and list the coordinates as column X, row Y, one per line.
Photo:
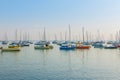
column 83, row 47
column 67, row 48
column 10, row 49
column 110, row 47
column 39, row 47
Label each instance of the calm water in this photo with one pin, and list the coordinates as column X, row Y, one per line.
column 30, row 64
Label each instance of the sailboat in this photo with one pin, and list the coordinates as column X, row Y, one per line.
column 55, row 41
column 11, row 47
column 99, row 43
column 117, row 43
column 5, row 42
column 43, row 44
column 14, row 44
column 82, row 46
column 68, row 45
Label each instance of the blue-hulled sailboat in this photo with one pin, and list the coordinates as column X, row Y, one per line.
column 68, row 45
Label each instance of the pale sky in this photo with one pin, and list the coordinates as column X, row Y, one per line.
column 32, row 16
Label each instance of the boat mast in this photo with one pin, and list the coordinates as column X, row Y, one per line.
column 69, row 33
column 65, row 36
column 119, row 36
column 87, row 36
column 55, row 37
column 98, row 35
column 28, row 37
column 111, row 37
column 6, row 38
column 39, row 35
column 60, row 36
column 83, row 33
column 90, row 37
column 20, row 35
column 44, row 35
column 16, row 35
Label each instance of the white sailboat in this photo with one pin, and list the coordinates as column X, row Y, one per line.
column 43, row 44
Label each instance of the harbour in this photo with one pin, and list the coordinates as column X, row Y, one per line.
column 59, row 39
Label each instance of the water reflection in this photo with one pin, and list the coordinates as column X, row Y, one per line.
column 44, row 57
column 92, row 64
column 69, row 61
column 13, row 55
